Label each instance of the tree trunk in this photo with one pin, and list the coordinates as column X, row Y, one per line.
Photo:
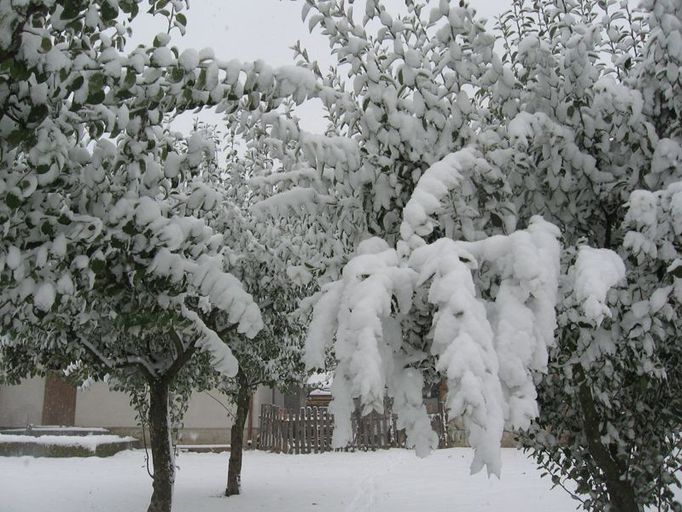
column 234, row 472
column 621, row 493
column 162, row 448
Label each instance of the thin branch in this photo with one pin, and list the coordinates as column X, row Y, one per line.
column 15, row 45
column 184, row 355
column 112, row 364
column 108, row 363
column 229, row 412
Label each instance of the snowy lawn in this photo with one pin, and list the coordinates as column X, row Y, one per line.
column 394, row 481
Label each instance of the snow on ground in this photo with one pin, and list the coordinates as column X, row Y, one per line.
column 383, row 481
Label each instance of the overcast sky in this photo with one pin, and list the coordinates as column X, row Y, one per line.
column 263, row 29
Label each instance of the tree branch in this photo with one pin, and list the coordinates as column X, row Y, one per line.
column 15, row 45
column 117, row 364
column 183, row 355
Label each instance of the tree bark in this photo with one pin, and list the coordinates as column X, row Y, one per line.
column 621, row 492
column 162, row 448
column 234, row 471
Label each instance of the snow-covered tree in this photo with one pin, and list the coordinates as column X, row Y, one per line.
column 414, row 305
column 594, row 144
column 107, row 256
column 265, row 257
column 445, row 149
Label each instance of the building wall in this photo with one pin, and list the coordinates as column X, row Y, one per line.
column 22, row 404
column 206, row 421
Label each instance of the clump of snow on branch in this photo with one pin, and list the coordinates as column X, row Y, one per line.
column 224, row 291
column 432, row 187
column 596, row 271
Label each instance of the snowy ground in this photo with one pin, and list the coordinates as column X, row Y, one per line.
column 383, row 481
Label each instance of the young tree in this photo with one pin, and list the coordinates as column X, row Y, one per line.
column 262, row 255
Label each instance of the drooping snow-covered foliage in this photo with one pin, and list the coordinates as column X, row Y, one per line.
column 89, row 175
column 578, row 121
column 409, row 119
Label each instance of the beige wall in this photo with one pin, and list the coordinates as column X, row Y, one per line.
column 204, row 412
column 22, row 404
column 206, row 421
column 97, row 406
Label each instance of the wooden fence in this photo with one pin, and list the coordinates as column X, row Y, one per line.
column 309, row 430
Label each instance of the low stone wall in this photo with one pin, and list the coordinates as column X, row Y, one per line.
column 18, row 449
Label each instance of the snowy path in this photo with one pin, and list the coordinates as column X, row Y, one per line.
column 386, row 481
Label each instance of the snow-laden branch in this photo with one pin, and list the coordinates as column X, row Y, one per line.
column 224, row 291
column 292, row 201
column 487, row 350
column 595, row 272
column 438, row 180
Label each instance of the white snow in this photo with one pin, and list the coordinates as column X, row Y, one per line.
column 163, row 56
column 58, row 428
column 13, row 257
column 432, row 187
column 383, row 481
column 596, row 272
column 89, row 442
column 44, row 296
column 189, row 59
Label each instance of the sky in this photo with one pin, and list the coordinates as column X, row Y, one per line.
column 263, row 29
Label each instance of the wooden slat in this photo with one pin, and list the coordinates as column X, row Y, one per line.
column 323, row 429
column 316, row 430
column 290, row 432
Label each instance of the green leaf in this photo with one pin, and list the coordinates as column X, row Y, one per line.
column 124, row 94
column 46, row 44
column 96, row 82
column 181, row 19
column 496, row 220
column 47, row 229
column 129, row 228
column 109, row 12
column 130, row 80
column 71, row 9
column 176, row 74
column 677, row 272
column 98, row 266
column 13, row 200
column 18, row 71
column 76, row 84
column 37, row 114
column 96, row 97
column 17, row 136
column 129, row 7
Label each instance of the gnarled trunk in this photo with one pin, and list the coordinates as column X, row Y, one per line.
column 234, row 472
column 162, row 448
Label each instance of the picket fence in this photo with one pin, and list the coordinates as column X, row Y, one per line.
column 309, row 430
